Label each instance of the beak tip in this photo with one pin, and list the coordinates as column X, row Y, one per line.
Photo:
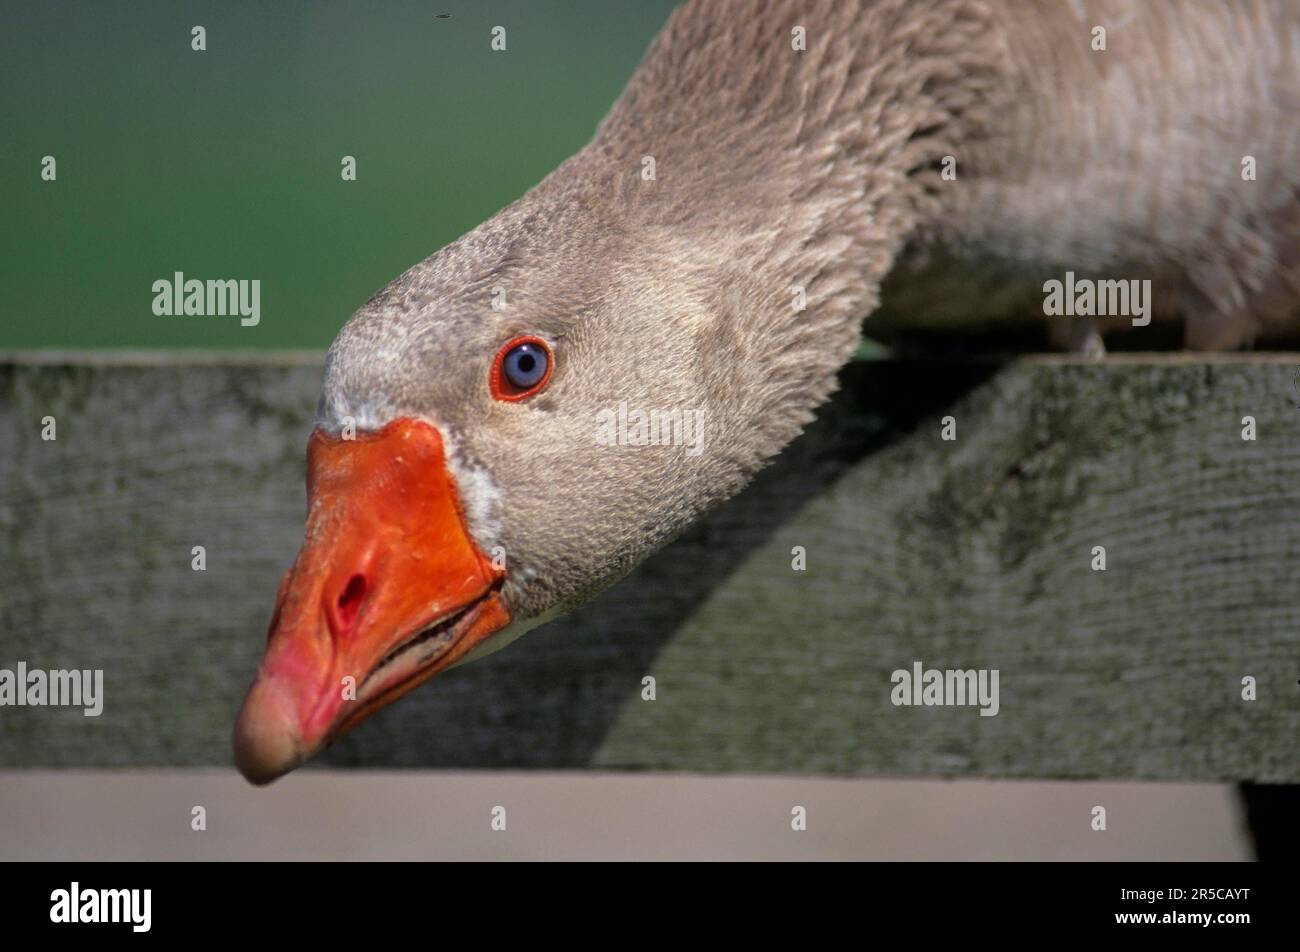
column 266, row 741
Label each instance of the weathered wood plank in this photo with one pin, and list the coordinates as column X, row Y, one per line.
column 973, row 553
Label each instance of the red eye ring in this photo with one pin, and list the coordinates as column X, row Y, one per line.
column 499, row 382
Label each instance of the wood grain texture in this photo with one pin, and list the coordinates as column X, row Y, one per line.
column 973, row 553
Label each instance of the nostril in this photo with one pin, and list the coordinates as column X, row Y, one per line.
column 349, row 602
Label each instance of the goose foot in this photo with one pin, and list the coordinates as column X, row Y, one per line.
column 1079, row 336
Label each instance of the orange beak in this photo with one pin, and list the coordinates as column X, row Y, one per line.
column 388, row 590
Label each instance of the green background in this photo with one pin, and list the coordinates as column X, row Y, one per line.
column 226, row 163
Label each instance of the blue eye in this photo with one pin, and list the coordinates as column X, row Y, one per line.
column 521, row 368
column 525, row 365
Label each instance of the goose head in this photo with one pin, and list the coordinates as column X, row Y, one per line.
column 473, row 471
column 475, row 468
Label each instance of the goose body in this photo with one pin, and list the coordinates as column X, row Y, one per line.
column 713, row 251
column 1169, row 156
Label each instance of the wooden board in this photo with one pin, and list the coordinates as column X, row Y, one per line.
column 973, row 553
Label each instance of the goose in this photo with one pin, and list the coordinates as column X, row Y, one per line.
column 713, row 250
